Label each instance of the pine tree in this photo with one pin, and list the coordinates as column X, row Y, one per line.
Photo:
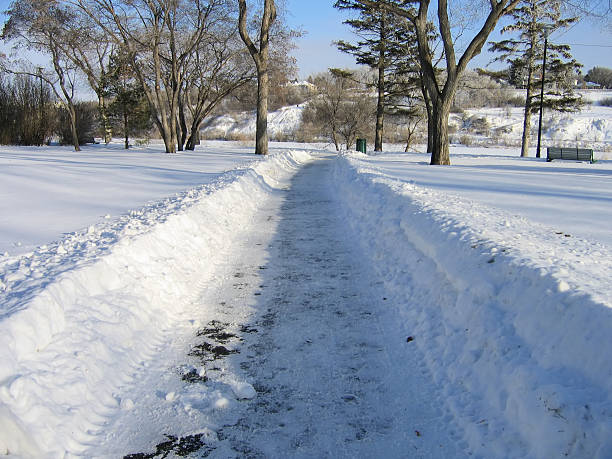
column 533, row 19
column 129, row 105
column 383, row 45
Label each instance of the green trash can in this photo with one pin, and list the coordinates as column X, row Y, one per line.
column 361, row 145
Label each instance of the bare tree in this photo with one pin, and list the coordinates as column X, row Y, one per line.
column 218, row 67
column 261, row 57
column 342, row 108
column 88, row 49
column 159, row 38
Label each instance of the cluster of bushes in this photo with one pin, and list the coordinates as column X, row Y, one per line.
column 29, row 114
column 607, row 102
column 25, row 111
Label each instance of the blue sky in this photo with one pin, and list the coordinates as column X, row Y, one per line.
column 323, row 24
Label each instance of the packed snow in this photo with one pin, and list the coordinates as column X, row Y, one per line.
column 511, row 315
column 304, row 304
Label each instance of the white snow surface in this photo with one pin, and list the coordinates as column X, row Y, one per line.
column 590, row 127
column 81, row 317
column 467, row 311
column 49, row 191
column 511, row 315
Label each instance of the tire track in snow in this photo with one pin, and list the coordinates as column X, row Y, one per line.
column 333, row 379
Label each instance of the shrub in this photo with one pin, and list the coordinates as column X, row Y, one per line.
column 239, row 137
column 607, row 102
column 25, row 111
column 476, row 124
column 466, row 140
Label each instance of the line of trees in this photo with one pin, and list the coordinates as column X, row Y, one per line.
column 173, row 61
column 433, row 55
column 30, row 114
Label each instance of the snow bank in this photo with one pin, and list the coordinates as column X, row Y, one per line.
column 513, row 320
column 80, row 317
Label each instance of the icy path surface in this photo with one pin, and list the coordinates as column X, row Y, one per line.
column 331, row 380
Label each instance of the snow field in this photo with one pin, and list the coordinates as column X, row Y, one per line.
column 511, row 317
column 103, row 304
column 47, row 192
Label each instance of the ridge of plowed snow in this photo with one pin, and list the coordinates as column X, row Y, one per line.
column 78, row 317
column 512, row 317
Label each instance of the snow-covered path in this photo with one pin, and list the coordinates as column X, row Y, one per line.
column 330, row 379
column 300, row 355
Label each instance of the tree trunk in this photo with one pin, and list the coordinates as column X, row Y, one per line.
column 261, row 135
column 380, row 110
column 261, row 58
column 194, row 138
column 335, row 139
column 126, row 130
column 431, row 133
column 429, row 111
column 182, row 126
column 380, row 106
column 179, row 136
column 168, row 133
column 73, row 127
column 527, row 113
column 108, row 132
column 440, row 154
column 169, row 141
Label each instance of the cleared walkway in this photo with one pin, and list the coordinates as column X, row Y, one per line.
column 331, row 381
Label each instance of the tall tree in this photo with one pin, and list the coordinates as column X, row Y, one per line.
column 387, row 44
column 532, row 20
column 261, row 57
column 88, row 49
column 128, row 101
column 441, row 93
column 375, row 27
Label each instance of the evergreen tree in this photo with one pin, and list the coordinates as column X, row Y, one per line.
column 129, row 105
column 386, row 45
column 533, row 19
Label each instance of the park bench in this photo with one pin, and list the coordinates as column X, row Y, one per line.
column 575, row 154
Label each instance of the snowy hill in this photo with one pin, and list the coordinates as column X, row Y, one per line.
column 591, row 127
column 281, row 123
